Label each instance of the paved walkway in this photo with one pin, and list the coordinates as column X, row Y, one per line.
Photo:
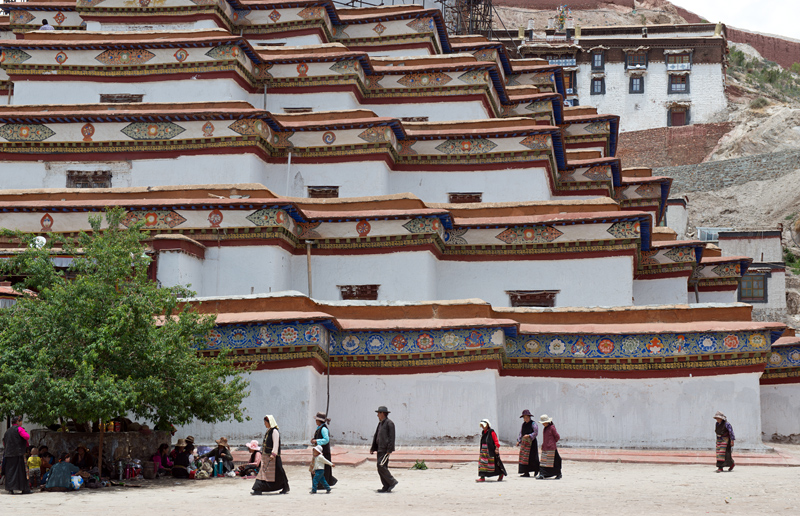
column 437, row 458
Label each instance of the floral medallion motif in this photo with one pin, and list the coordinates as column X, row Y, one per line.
column 580, row 348
column 302, row 70
column 423, row 80
column 363, row 228
column 655, row 345
column 731, row 341
column 399, row 342
column 274, row 16
column 450, row 341
column 379, row 28
column 312, row 334
column 708, row 344
column 374, row 342
column 251, row 127
column 208, row 129
column 350, row 343
column 125, row 57
column 468, row 146
column 474, row 340
column 630, row 345
column 289, row 335
column 237, row 338
column 537, row 142
column 46, row 222
column 425, row 341
column 152, row 130
column 533, row 346
column 59, row 17
column 605, row 346
column 775, row 358
column 626, row 229
column 25, row 132
column 757, row 340
column 531, row 235
column 181, row 55
column 215, row 218
column 794, row 356
column 87, row 131
column 557, row 346
column 159, row 219
column 61, row 58
column 328, row 137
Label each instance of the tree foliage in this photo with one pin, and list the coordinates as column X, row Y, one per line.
column 103, row 340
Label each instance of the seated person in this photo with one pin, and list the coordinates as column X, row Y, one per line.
column 163, row 464
column 60, row 474
column 182, row 461
column 221, row 452
column 82, row 458
column 47, row 458
column 255, row 460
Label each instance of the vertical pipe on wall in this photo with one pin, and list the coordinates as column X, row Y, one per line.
column 288, row 174
column 308, row 264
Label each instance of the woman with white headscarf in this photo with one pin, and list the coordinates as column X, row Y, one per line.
column 271, row 476
column 489, row 463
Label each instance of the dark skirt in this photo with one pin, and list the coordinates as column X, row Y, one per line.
column 528, row 456
column 280, row 483
column 552, row 470
column 16, row 476
column 724, row 449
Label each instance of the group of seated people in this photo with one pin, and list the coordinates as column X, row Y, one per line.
column 56, row 472
column 185, row 462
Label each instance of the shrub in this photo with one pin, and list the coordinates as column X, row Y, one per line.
column 759, row 103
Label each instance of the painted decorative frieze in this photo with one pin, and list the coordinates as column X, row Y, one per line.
column 270, row 217
column 537, row 142
column 530, row 235
column 455, row 236
column 486, row 55
column 624, row 229
column 225, row 52
column 423, row 225
column 25, row 132
column 251, row 127
column 125, row 57
column 474, row 77
column 428, row 341
column 20, row 17
column 540, row 106
column 157, row 219
column 377, row 134
column 312, row 13
column 267, row 336
column 345, row 67
column 152, row 130
column 425, row 24
column 424, row 80
column 468, row 146
column 11, row 56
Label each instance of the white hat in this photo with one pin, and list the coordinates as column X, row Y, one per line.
column 318, row 448
column 544, row 418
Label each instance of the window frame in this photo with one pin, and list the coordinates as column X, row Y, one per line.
column 602, row 81
column 94, row 178
column 318, row 192
column 525, row 298
column 670, row 84
column 759, row 276
column 367, row 292
column 643, row 66
column 687, row 119
column 680, row 66
column 631, row 89
column 121, row 98
column 461, row 197
column 602, row 65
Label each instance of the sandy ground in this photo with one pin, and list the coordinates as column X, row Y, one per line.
column 587, row 488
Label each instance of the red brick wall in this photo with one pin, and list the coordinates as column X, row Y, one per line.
column 575, row 5
column 782, row 51
column 670, row 146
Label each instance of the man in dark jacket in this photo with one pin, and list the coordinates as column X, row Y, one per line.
column 383, row 443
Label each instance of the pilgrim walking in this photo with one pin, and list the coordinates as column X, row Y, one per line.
column 489, row 463
column 15, row 444
column 725, row 438
column 550, row 465
column 383, row 443
column 322, row 437
column 528, row 445
column 271, row 476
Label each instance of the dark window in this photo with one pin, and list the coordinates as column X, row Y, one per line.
column 599, row 86
column 569, row 82
column 637, row 85
column 678, row 83
column 82, row 179
column 323, row 192
column 298, row 110
column 465, row 197
column 120, row 98
column 413, row 118
column 753, row 288
column 678, row 116
column 598, row 61
column 540, row 298
column 359, row 292
column 638, row 60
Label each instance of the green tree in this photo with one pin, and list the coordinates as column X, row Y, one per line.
column 103, row 340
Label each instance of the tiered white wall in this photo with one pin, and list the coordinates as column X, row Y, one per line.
column 663, row 291
column 780, row 409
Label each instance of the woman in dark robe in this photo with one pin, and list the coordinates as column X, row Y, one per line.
column 182, row 460
column 322, row 437
column 528, row 446
column 489, row 463
column 15, row 443
column 550, row 465
column 725, row 438
column 271, row 476
column 82, row 458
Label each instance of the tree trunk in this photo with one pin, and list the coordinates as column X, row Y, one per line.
column 100, row 450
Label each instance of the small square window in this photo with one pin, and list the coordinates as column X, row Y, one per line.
column 413, row 119
column 296, row 110
column 598, row 86
column 532, row 298
column 638, row 60
column 753, row 288
column 637, row 85
column 90, row 179
column 678, row 83
column 464, row 197
column 323, row 192
column 598, row 61
column 359, row 292
column 120, row 98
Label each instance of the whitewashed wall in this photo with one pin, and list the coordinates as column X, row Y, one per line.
column 780, row 409
column 759, row 249
column 96, row 26
column 663, row 291
column 678, row 220
column 649, row 110
column 177, row 268
column 713, row 297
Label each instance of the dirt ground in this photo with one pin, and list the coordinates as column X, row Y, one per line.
column 587, row 488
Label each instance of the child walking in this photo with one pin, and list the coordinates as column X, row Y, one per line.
column 318, row 468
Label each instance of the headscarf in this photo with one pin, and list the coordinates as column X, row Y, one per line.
column 272, row 422
column 486, row 422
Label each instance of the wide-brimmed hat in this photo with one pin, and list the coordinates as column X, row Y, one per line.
column 85, row 448
column 190, row 439
column 720, row 415
column 321, row 416
column 544, row 418
column 318, row 448
column 222, row 441
column 181, row 443
column 486, row 422
column 383, row 409
column 253, row 445
column 526, row 412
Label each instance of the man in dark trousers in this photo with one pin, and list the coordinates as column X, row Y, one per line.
column 383, row 443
